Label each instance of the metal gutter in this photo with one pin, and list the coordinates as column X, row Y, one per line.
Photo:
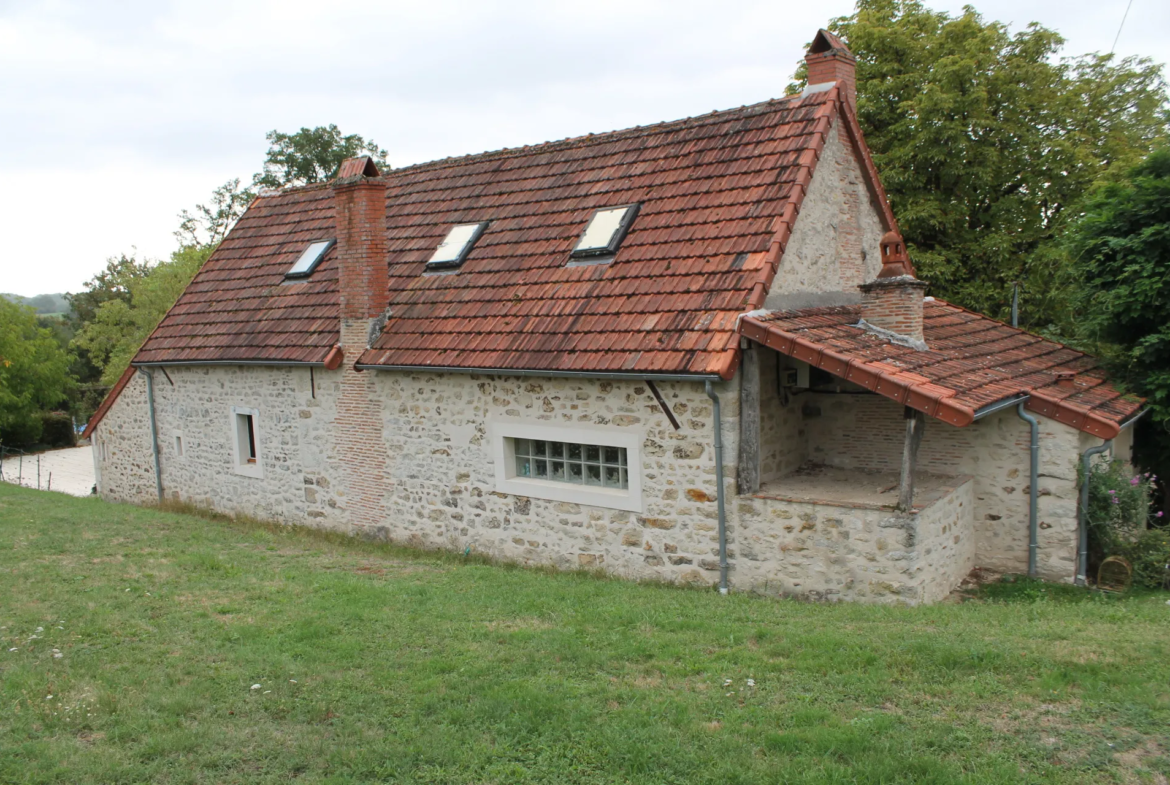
column 294, row 363
column 153, row 431
column 719, row 487
column 657, row 377
column 1006, row 403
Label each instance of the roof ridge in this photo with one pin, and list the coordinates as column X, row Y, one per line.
column 747, row 110
column 718, row 115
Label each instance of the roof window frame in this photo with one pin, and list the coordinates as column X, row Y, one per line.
column 632, row 209
column 297, row 276
column 468, row 246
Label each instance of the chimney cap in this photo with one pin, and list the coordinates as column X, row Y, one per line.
column 895, row 262
column 361, row 166
column 827, row 42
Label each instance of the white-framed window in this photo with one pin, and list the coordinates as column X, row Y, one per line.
column 245, row 436
column 601, row 467
column 177, row 440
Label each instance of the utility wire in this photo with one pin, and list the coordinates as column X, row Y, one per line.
column 1119, row 27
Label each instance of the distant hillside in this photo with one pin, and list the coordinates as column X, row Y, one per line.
column 43, row 303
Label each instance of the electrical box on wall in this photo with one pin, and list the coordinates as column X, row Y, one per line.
column 794, row 375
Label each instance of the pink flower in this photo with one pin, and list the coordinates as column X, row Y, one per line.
column 1158, row 514
column 1134, row 481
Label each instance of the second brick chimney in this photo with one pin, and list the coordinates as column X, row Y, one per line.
column 829, row 60
column 360, row 204
column 892, row 302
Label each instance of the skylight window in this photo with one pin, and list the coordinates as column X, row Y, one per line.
column 456, row 246
column 309, row 259
column 605, row 231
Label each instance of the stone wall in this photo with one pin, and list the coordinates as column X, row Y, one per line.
column 835, row 243
column 123, row 463
column 867, row 432
column 437, row 432
column 783, row 439
column 855, row 552
column 440, row 468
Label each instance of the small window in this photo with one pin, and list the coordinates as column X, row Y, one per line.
column 456, row 246
column 178, row 445
column 579, row 464
column 246, row 436
column 309, row 260
column 246, row 442
column 605, row 231
column 594, row 466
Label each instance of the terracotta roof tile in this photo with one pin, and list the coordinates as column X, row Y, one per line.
column 971, row 361
column 718, row 195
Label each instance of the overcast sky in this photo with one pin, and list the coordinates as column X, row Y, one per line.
column 117, row 115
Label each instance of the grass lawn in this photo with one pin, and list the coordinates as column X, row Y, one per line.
column 145, row 646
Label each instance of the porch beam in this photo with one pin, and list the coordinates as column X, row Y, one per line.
column 915, row 426
column 748, row 471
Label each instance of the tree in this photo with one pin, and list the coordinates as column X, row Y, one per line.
column 1120, row 247
column 984, row 141
column 211, row 222
column 121, row 325
column 312, row 155
column 33, row 373
column 112, row 283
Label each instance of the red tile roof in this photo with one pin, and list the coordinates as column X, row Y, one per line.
column 719, row 195
column 971, row 361
column 239, row 307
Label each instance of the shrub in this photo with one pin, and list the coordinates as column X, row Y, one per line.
column 1121, row 524
column 57, row 429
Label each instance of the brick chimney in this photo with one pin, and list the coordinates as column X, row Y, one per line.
column 893, row 301
column 359, row 197
column 829, row 60
column 360, row 205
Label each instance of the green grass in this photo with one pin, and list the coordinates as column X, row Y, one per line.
column 380, row 664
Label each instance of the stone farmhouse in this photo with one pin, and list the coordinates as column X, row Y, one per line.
column 693, row 352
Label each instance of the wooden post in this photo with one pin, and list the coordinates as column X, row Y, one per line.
column 915, row 425
column 748, row 474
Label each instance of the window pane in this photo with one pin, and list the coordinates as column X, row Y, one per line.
column 613, row 478
column 601, row 229
column 579, row 464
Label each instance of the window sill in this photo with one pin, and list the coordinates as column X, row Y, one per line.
column 591, row 495
column 253, row 470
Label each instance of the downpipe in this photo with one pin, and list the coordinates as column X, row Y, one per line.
column 153, row 430
column 719, row 493
column 1083, row 513
column 1033, row 489
column 1083, row 518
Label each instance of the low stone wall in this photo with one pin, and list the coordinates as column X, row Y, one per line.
column 825, row 551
